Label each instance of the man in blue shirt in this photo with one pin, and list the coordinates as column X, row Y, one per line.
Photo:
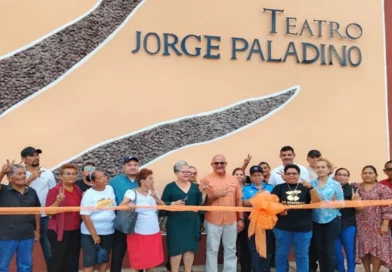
column 258, row 185
column 122, row 183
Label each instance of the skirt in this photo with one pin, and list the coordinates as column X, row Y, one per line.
column 145, row 251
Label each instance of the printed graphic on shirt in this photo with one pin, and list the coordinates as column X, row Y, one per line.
column 105, row 202
column 293, row 195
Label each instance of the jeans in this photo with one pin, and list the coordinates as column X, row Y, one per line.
column 258, row 262
column 300, row 241
column 44, row 241
column 228, row 235
column 24, row 254
column 65, row 253
column 346, row 239
column 325, row 236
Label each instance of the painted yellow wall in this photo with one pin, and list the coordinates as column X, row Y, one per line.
column 340, row 110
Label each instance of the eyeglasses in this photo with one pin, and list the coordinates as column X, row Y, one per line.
column 388, row 169
column 70, row 174
column 343, row 175
column 291, row 174
column 185, row 172
column 89, row 168
column 193, row 173
column 219, row 163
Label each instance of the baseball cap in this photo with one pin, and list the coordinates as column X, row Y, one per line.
column 255, row 168
column 28, row 151
column 314, row 153
column 130, row 158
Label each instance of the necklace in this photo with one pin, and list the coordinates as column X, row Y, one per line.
column 292, row 194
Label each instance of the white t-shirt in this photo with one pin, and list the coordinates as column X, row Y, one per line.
column 312, row 173
column 103, row 220
column 42, row 185
column 147, row 219
column 276, row 178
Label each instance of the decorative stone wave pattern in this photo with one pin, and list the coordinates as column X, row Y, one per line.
column 30, row 70
column 158, row 141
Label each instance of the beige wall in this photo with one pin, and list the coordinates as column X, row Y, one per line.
column 340, row 110
column 22, row 22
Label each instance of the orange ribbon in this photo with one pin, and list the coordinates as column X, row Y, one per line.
column 263, row 214
column 263, row 217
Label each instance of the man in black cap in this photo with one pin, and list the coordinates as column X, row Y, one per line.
column 313, row 157
column 122, row 183
column 41, row 180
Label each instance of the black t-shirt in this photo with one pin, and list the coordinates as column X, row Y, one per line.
column 17, row 227
column 348, row 214
column 83, row 186
column 295, row 220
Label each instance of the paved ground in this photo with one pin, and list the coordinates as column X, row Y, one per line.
column 201, row 268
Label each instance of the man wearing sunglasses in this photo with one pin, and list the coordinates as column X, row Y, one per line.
column 83, row 184
column 223, row 190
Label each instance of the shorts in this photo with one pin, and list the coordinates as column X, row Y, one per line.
column 88, row 247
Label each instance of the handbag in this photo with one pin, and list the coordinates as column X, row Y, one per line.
column 101, row 254
column 126, row 220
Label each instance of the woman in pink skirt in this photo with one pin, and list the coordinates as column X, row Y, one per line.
column 373, row 241
column 145, row 245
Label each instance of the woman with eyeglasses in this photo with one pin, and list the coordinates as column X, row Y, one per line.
column 64, row 228
column 183, row 228
column 346, row 238
column 98, row 225
column 83, row 183
column 373, row 241
column 294, row 227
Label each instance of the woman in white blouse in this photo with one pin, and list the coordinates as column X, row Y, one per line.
column 145, row 245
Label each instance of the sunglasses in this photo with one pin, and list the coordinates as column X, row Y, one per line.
column 220, row 163
column 89, row 168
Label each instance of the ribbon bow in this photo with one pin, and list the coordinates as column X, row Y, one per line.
column 263, row 217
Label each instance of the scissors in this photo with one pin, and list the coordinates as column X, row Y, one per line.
column 185, row 199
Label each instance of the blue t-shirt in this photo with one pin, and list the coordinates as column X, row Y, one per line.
column 121, row 184
column 327, row 192
column 249, row 191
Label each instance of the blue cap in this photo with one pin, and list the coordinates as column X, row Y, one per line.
column 130, row 158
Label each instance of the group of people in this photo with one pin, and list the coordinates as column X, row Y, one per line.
column 318, row 237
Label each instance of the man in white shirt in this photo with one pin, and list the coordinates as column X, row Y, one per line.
column 287, row 155
column 313, row 157
column 41, row 180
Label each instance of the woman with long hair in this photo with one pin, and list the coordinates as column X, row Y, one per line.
column 327, row 224
column 373, row 241
column 346, row 238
